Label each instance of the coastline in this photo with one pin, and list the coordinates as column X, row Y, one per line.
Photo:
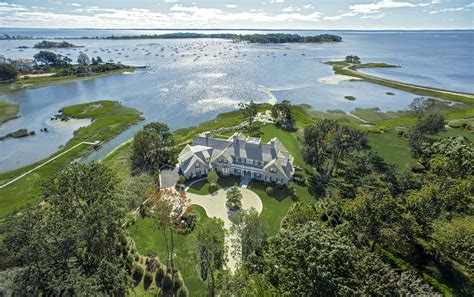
column 337, row 78
column 37, row 82
column 348, row 69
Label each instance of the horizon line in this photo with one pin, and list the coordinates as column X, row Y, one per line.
column 241, row 29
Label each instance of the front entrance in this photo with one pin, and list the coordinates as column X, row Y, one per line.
column 247, row 173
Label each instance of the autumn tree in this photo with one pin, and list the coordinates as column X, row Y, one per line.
column 167, row 207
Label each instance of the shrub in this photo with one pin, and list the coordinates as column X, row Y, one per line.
column 166, row 283
column 269, row 190
column 234, row 198
column 188, row 221
column 183, row 292
column 147, row 280
column 152, row 264
column 181, row 180
column 213, row 187
column 178, row 282
column 160, row 273
column 212, row 177
column 417, row 167
column 137, row 273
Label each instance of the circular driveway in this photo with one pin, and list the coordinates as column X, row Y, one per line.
column 214, row 203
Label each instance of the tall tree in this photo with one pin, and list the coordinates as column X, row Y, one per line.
column 8, row 72
column 153, row 147
column 249, row 111
column 83, row 59
column 251, row 234
column 208, row 248
column 70, row 246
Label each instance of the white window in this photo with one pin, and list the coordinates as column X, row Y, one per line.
column 273, row 170
column 197, row 165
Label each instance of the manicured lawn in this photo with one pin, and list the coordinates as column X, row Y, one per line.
column 110, row 119
column 202, row 187
column 149, row 241
column 396, row 150
column 391, row 147
column 276, row 206
column 288, row 139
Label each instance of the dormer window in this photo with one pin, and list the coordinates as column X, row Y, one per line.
column 273, row 170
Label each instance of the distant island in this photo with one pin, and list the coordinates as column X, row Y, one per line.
column 288, row 38
column 54, row 44
column 251, row 38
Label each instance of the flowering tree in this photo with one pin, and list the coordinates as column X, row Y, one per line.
column 167, row 206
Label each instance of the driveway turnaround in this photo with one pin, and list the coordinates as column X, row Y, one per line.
column 214, row 205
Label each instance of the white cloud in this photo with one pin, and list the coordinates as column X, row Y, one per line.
column 231, row 6
column 374, row 10
column 276, row 1
column 76, row 4
column 308, row 6
column 171, row 1
column 291, row 9
column 466, row 7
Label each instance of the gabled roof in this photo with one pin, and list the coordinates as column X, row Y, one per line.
column 208, row 149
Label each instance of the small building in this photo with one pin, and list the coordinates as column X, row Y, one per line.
column 238, row 155
column 25, row 64
column 3, row 60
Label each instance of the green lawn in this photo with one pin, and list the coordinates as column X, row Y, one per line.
column 202, row 187
column 110, row 119
column 396, row 150
column 149, row 241
column 276, row 206
column 8, row 110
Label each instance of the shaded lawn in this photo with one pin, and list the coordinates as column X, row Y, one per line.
column 202, row 187
column 110, row 119
column 149, row 241
column 276, row 206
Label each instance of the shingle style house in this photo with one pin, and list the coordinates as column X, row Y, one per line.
column 239, row 155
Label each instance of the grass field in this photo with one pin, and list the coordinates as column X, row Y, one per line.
column 8, row 110
column 110, row 118
column 149, row 241
column 35, row 82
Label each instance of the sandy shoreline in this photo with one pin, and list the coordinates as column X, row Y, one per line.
column 336, row 79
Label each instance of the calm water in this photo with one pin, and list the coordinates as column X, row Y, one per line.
column 193, row 80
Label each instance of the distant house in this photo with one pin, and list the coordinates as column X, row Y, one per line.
column 3, row 60
column 25, row 64
column 238, row 155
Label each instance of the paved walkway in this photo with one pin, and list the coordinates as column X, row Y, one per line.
column 214, row 205
column 50, row 160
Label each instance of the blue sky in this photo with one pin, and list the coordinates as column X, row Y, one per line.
column 259, row 14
